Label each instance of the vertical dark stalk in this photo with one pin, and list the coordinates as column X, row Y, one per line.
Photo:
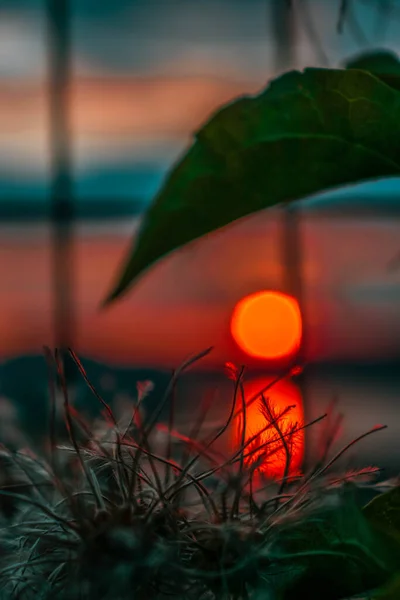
column 283, row 31
column 61, row 192
column 293, row 264
column 283, row 28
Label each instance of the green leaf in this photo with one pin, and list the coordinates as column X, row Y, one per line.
column 384, row 64
column 391, row 591
column 305, row 133
column 339, row 541
column 384, row 513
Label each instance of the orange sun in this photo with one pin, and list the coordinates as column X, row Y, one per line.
column 267, row 324
column 280, row 396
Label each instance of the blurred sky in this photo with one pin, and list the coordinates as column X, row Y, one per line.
column 146, row 74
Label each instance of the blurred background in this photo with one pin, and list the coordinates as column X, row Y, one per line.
column 98, row 99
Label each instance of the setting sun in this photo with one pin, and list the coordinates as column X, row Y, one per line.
column 267, row 324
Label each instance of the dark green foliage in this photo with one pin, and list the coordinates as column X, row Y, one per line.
column 383, row 64
column 305, row 133
column 391, row 591
column 347, row 556
column 384, row 512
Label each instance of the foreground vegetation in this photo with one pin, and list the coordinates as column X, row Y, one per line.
column 117, row 514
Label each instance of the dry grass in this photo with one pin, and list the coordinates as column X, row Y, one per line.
column 107, row 516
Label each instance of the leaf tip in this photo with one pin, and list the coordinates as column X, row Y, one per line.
column 116, row 292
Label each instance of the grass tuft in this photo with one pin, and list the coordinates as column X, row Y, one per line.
column 107, row 516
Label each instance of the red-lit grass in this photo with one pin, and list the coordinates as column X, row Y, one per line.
column 112, row 516
column 285, row 438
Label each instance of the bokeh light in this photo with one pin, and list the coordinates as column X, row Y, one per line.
column 280, row 396
column 267, row 325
